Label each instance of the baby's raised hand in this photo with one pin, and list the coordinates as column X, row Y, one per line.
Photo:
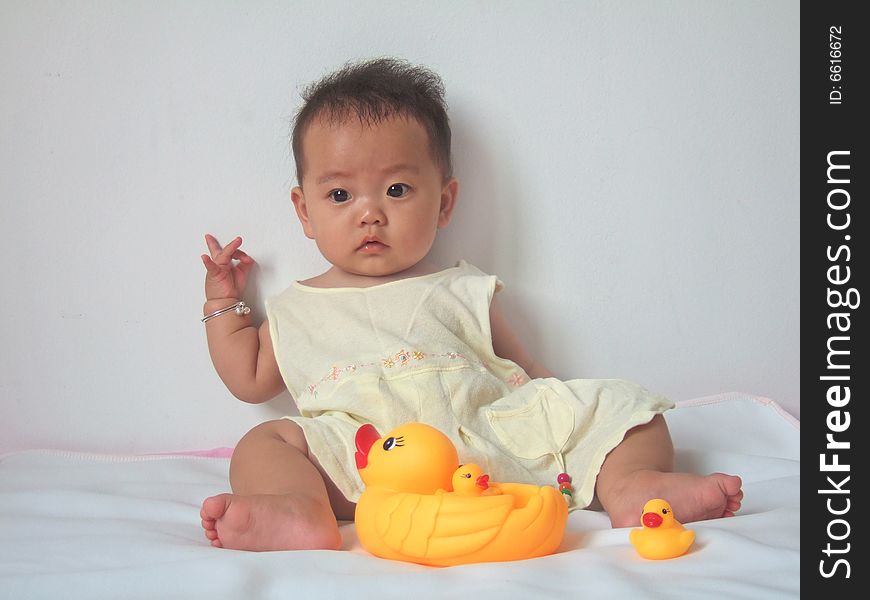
column 223, row 279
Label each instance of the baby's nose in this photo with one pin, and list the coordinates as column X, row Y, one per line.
column 372, row 213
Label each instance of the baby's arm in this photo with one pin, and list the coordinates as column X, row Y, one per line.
column 242, row 355
column 507, row 345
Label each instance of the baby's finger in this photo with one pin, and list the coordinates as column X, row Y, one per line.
column 210, row 265
column 227, row 253
column 241, row 277
column 242, row 256
column 245, row 264
column 213, row 246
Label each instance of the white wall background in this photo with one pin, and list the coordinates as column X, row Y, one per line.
column 629, row 169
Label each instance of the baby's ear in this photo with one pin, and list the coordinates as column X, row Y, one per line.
column 449, row 195
column 298, row 198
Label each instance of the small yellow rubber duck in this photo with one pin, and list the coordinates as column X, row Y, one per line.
column 470, row 480
column 410, row 510
column 662, row 536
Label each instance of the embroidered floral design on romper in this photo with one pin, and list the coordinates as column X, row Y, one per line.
column 516, row 380
column 400, row 359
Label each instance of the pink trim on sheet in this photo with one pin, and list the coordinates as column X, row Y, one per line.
column 731, row 396
column 222, row 452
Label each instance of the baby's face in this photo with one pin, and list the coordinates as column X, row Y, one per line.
column 372, row 197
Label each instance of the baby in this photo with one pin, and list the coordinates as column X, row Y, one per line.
column 386, row 337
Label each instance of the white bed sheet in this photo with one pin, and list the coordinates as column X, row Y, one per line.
column 78, row 525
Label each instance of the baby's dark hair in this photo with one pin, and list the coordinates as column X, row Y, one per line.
column 375, row 90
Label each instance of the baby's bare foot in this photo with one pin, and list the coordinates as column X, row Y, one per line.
column 268, row 522
column 692, row 497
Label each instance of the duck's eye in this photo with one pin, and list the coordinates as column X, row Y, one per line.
column 389, row 444
column 664, row 511
column 467, row 475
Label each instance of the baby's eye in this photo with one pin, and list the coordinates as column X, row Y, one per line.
column 397, row 190
column 339, row 196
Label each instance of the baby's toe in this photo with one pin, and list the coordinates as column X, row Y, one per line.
column 731, row 484
column 213, row 508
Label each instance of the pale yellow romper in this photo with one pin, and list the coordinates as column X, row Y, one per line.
column 420, row 349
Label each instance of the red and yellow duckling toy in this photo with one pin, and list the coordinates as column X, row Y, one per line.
column 411, row 509
column 661, row 536
column 472, row 481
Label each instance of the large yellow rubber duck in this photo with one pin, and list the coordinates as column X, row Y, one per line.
column 410, row 512
column 662, row 536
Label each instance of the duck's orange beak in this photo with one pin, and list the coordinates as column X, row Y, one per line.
column 651, row 519
column 366, row 436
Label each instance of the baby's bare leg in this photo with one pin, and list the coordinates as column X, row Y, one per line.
column 640, row 469
column 281, row 499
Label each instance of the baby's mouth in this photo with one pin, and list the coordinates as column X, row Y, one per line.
column 372, row 245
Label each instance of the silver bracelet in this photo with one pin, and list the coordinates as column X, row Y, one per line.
column 239, row 308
